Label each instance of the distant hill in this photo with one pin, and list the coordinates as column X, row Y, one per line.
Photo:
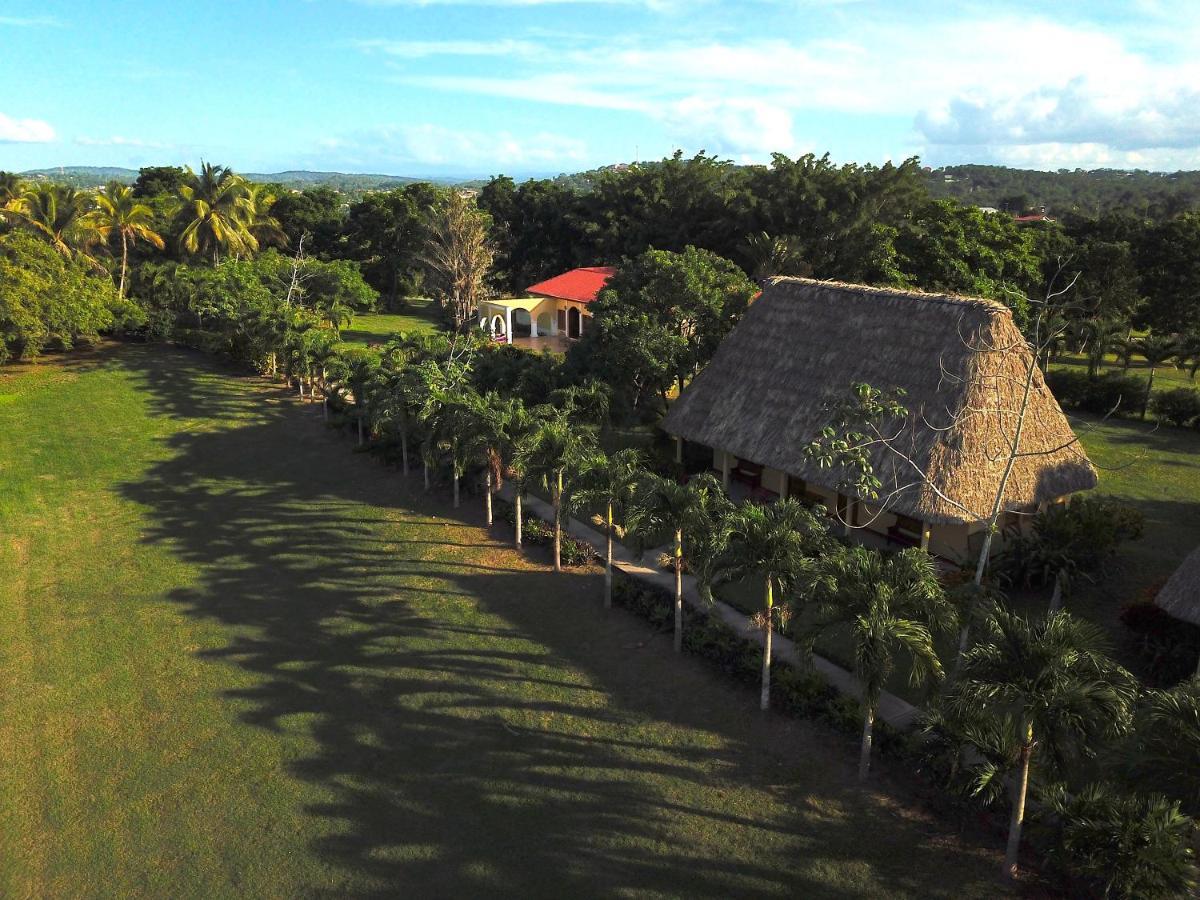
column 1083, row 192
column 95, row 176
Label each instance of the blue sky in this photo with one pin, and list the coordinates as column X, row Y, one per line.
column 478, row 87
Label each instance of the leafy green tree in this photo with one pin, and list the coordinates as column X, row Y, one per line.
column 888, row 605
column 553, row 453
column 659, row 321
column 663, row 505
column 1156, row 350
column 1126, row 845
column 313, row 218
column 153, row 181
column 609, row 481
column 385, row 233
column 1054, row 680
column 119, row 214
column 775, row 542
column 1169, row 265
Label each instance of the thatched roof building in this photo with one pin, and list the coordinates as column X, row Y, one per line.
column 961, row 362
column 1180, row 596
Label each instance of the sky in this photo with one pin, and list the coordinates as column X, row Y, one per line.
column 521, row 87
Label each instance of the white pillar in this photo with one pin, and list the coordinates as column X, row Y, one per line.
column 926, row 534
column 508, row 324
column 554, row 320
column 533, row 332
column 725, row 470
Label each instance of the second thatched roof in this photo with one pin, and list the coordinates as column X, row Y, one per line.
column 961, row 362
column 1180, row 596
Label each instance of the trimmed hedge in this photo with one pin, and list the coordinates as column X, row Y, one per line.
column 1179, row 406
column 1122, row 395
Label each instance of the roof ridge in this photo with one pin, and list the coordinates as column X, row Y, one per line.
column 909, row 293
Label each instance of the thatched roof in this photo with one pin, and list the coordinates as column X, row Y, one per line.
column 1180, row 596
column 961, row 362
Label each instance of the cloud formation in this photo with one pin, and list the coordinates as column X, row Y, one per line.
column 24, row 131
column 428, row 145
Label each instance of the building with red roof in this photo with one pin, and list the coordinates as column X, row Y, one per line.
column 554, row 310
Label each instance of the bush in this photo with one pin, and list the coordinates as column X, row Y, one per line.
column 1166, row 646
column 1178, row 407
column 1122, row 395
column 575, row 552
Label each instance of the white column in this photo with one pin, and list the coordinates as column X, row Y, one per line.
column 926, row 534
column 508, row 324
column 533, row 332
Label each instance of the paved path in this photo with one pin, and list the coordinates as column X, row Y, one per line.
column 896, row 712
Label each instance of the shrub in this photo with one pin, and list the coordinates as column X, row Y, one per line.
column 575, row 552
column 1123, row 395
column 1166, row 646
column 1178, row 407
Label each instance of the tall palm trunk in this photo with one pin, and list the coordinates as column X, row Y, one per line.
column 764, row 700
column 1149, row 388
column 517, row 505
column 608, row 560
column 425, row 470
column 488, row 496
column 1021, row 788
column 678, row 590
column 124, row 264
column 557, row 498
column 454, row 470
column 360, row 429
column 864, row 756
column 404, row 451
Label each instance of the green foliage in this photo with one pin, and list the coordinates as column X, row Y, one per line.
column 49, row 299
column 1167, row 734
column 1178, row 406
column 1114, row 845
column 1170, row 268
column 385, row 233
column 1109, row 393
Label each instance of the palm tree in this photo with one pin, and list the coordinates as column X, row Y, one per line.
column 889, row 605
column 769, row 255
column 775, row 542
column 215, row 210
column 446, row 414
column 11, row 189
column 1101, row 337
column 1053, row 678
column 256, row 213
column 1168, row 730
column 609, row 481
column 662, row 504
column 488, row 421
column 1127, row 845
column 552, row 453
column 521, row 427
column 118, row 212
column 1155, row 350
column 60, row 214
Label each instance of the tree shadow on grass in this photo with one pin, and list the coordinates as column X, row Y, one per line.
column 480, row 724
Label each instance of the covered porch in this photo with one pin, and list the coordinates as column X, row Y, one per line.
column 531, row 323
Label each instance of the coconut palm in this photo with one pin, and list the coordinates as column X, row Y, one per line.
column 488, row 419
column 1101, row 337
column 889, row 605
column 1168, row 731
column 609, row 481
column 769, row 255
column 707, row 540
column 664, row 505
column 520, row 429
column 1053, row 678
column 60, row 214
column 215, row 213
column 355, row 369
column 446, row 414
column 1156, row 350
column 119, row 213
column 257, row 201
column 552, row 453
column 775, row 542
column 1126, row 845
column 588, row 402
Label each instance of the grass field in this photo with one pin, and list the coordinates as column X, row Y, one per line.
column 375, row 328
column 237, row 659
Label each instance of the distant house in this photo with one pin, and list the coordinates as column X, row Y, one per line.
column 556, row 307
column 1180, row 596
column 803, row 343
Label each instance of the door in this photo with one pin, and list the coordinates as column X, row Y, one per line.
column 573, row 323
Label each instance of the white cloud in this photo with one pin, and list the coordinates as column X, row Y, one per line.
column 118, row 141
column 425, row 49
column 29, row 21
column 452, row 149
column 739, row 128
column 24, row 131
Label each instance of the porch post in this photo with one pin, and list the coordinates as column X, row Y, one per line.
column 783, row 488
column 508, row 324
column 926, row 534
column 725, row 470
column 678, row 449
column 533, row 332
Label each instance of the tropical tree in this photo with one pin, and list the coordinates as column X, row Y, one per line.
column 257, row 203
column 552, row 453
column 1156, row 350
column 215, row 213
column 609, row 481
column 60, row 215
column 459, row 255
column 1167, row 732
column 356, row 369
column 519, row 433
column 1054, row 680
column 767, row 255
column 488, row 419
column 664, row 505
column 1126, row 845
column 119, row 213
column 889, row 605
column 775, row 542
column 446, row 413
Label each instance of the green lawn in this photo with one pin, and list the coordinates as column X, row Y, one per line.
column 1166, row 376
column 237, row 659
column 375, row 328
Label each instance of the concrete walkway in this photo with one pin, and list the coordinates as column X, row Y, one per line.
column 896, row 712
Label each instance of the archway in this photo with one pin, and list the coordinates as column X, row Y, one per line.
column 522, row 324
column 573, row 322
column 498, row 325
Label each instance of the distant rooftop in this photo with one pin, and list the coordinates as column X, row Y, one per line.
column 581, row 285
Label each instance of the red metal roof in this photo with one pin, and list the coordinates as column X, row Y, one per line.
column 581, row 285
